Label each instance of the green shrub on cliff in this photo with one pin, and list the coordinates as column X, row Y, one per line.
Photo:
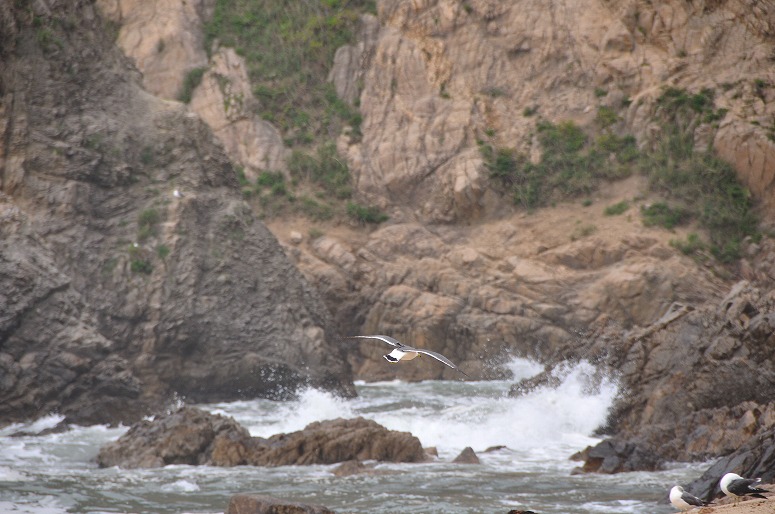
column 289, row 49
column 701, row 186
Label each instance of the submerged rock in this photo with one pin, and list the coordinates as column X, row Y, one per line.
column 467, row 456
column 262, row 504
column 193, row 436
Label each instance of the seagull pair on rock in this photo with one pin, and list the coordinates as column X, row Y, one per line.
column 731, row 484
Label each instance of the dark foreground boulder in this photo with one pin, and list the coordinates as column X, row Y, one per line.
column 614, row 456
column 260, row 504
column 193, row 436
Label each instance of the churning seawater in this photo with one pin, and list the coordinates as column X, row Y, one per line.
column 56, row 473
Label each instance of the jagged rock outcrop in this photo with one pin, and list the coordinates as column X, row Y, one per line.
column 114, row 285
column 698, row 386
column 224, row 100
column 193, row 436
column 755, row 459
column 163, row 38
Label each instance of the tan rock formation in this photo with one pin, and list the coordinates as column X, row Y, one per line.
column 524, row 285
column 443, row 72
column 225, row 101
column 193, row 436
column 162, row 37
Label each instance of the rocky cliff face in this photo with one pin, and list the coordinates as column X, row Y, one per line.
column 117, row 293
column 457, row 270
column 441, row 73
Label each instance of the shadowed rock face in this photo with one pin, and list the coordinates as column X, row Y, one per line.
column 112, row 287
column 193, row 436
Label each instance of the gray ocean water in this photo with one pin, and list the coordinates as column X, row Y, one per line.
column 56, row 473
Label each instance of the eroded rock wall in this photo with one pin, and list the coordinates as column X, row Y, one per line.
column 115, row 286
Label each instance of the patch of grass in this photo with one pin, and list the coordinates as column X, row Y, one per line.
column 366, row 214
column 600, row 92
column 617, row 208
column 663, row 215
column 583, row 231
column 570, row 165
column 147, row 222
column 162, row 251
column 314, row 209
column 529, row 111
column 139, row 261
column 606, row 116
column 705, row 186
column 692, row 244
column 289, row 48
column 192, row 79
column 326, row 169
column 700, row 186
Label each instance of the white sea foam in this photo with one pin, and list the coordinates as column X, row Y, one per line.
column 33, row 427
column 8, row 474
column 312, row 405
column 184, row 486
column 543, row 419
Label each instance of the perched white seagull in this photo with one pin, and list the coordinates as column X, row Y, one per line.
column 736, row 486
column 177, row 194
column 404, row 352
column 682, row 500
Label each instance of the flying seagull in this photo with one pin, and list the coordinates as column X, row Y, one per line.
column 682, row 500
column 404, row 352
column 736, row 486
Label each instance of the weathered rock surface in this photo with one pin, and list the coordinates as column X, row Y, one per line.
column 521, row 285
column 163, row 38
column 224, row 100
column 187, row 436
column 755, row 459
column 440, row 74
column 111, row 285
column 697, row 386
column 262, row 504
column 193, row 436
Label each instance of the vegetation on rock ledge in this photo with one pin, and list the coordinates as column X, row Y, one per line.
column 700, row 186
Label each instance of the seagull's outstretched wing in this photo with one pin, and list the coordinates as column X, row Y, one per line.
column 437, row 356
column 385, row 339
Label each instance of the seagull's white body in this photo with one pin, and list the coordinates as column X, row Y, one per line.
column 736, row 486
column 400, row 355
column 404, row 352
column 177, row 194
column 682, row 500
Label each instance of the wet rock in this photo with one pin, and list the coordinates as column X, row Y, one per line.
column 612, row 456
column 188, row 436
column 192, row 436
column 467, row 456
column 356, row 467
column 261, row 504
